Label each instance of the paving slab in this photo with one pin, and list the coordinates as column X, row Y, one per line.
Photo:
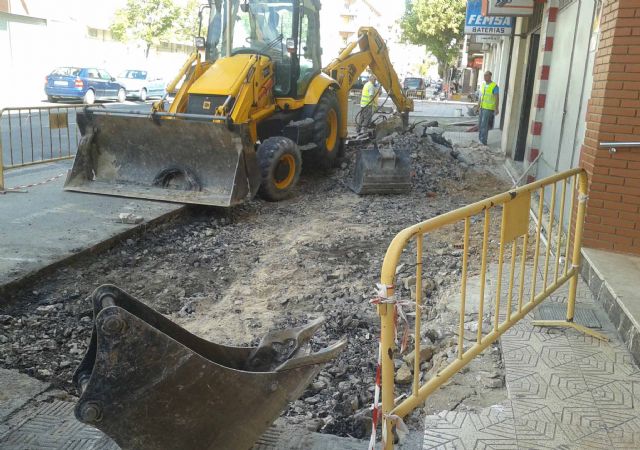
column 16, row 389
column 565, row 389
column 42, row 224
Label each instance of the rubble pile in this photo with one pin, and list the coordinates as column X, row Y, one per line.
column 229, row 276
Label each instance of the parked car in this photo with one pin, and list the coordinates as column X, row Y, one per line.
column 86, row 83
column 142, row 84
column 414, row 84
column 360, row 82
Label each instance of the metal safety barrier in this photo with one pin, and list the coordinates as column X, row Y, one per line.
column 37, row 134
column 516, row 242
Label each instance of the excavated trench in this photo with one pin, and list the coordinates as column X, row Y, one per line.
column 231, row 275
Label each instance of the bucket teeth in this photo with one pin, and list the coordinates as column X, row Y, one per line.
column 149, row 384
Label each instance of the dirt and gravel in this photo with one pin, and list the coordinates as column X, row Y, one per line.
column 231, row 275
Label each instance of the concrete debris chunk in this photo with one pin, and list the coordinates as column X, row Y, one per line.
column 130, row 218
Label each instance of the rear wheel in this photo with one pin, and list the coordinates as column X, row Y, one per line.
column 122, row 95
column 143, row 95
column 325, row 132
column 89, row 97
column 51, row 99
column 280, row 164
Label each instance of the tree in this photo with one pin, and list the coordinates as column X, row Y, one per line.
column 148, row 21
column 436, row 24
column 188, row 23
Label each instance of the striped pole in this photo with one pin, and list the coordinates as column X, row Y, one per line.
column 543, row 72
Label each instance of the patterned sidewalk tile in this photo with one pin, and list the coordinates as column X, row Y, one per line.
column 565, row 390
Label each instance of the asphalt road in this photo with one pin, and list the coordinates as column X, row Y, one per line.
column 39, row 133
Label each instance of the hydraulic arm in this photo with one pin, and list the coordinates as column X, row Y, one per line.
column 371, row 52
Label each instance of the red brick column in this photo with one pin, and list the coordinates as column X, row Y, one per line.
column 613, row 214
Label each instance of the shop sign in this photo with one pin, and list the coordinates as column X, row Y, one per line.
column 507, row 8
column 476, row 23
column 483, row 39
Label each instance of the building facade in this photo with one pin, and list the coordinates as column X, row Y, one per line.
column 572, row 84
column 37, row 36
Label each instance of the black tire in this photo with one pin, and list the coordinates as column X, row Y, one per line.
column 280, row 164
column 327, row 118
column 51, row 99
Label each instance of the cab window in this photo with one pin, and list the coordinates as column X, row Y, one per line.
column 308, row 50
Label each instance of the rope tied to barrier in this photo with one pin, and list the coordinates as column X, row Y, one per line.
column 22, row 187
column 383, row 297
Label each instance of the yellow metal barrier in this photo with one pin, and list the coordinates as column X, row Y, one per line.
column 36, row 134
column 514, row 229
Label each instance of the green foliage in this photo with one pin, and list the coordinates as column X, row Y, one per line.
column 187, row 25
column 436, row 24
column 149, row 21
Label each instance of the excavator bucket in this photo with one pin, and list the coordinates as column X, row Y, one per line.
column 382, row 170
column 149, row 384
column 164, row 158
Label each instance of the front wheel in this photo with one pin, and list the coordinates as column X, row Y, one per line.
column 89, row 97
column 280, row 164
column 326, row 117
column 143, row 95
column 122, row 95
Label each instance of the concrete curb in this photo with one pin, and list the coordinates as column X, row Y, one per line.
column 7, row 290
column 603, row 293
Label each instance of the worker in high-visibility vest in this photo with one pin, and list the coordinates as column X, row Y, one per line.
column 489, row 105
column 368, row 101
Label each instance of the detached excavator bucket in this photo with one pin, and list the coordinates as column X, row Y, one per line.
column 164, row 158
column 381, row 170
column 149, row 384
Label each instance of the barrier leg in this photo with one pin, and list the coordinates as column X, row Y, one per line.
column 575, row 261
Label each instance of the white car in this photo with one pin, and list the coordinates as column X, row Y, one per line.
column 141, row 84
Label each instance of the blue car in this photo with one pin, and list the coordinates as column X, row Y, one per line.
column 87, row 84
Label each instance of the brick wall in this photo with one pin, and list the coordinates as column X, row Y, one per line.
column 613, row 212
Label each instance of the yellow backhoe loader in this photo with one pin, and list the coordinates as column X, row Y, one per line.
column 242, row 118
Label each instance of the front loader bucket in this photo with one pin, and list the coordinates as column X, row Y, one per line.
column 381, row 170
column 168, row 159
column 149, row 384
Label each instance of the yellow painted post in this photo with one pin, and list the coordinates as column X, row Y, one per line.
column 511, row 278
column 573, row 197
column 552, row 215
column 483, row 272
column 416, row 360
column 500, row 262
column 560, row 224
column 537, row 252
column 522, row 270
column 463, row 289
column 386, row 312
column 577, row 244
